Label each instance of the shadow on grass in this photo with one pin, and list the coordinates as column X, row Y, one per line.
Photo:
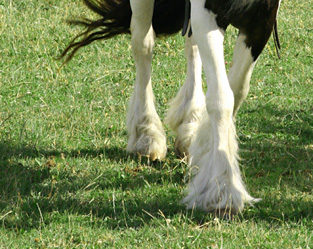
column 31, row 187
column 267, row 119
column 282, row 143
column 278, row 163
column 124, row 197
column 8, row 150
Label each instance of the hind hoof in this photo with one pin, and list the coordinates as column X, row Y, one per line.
column 180, row 150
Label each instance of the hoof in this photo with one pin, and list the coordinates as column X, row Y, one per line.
column 156, row 157
column 155, row 150
column 180, row 150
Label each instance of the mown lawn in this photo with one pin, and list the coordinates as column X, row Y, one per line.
column 65, row 178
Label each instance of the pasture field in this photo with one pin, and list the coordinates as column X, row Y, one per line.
column 66, row 180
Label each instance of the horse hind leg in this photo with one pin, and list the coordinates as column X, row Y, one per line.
column 146, row 134
column 240, row 72
column 249, row 46
column 186, row 109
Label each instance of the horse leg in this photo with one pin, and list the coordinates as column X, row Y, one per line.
column 240, row 72
column 217, row 185
column 186, row 108
column 146, row 135
column 249, row 46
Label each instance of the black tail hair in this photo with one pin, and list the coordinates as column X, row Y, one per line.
column 168, row 18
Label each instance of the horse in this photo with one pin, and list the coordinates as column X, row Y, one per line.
column 204, row 124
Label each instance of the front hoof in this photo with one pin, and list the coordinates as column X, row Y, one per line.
column 225, row 213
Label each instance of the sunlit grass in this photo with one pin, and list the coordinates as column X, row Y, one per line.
column 66, row 180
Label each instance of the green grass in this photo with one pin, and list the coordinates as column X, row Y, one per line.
column 65, row 177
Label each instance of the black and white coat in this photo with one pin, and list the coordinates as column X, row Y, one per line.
column 203, row 123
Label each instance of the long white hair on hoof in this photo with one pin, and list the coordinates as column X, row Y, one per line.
column 216, row 182
column 145, row 131
column 183, row 118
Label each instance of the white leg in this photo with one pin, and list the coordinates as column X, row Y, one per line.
column 146, row 135
column 240, row 73
column 186, row 108
column 217, row 184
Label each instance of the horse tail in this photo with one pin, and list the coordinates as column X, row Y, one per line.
column 168, row 18
column 115, row 19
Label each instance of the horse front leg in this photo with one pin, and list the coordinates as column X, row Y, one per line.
column 217, row 185
column 146, row 134
column 186, row 109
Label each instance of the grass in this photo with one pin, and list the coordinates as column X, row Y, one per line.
column 66, row 180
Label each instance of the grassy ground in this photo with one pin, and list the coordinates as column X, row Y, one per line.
column 66, row 180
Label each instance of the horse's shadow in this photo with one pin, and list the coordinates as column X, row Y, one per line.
column 124, row 202
column 38, row 187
